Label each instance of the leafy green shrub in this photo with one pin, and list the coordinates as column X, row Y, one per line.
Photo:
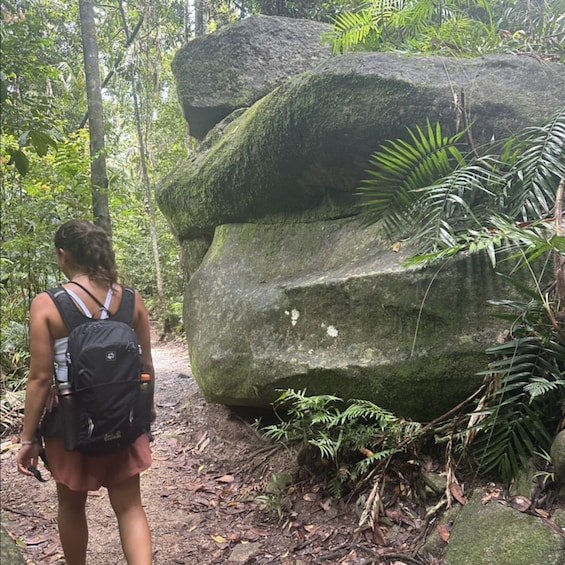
column 453, row 27
column 525, row 399
column 15, row 355
column 345, row 440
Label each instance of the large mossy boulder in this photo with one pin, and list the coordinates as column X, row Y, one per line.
column 233, row 68
column 285, row 289
column 302, row 150
column 327, row 306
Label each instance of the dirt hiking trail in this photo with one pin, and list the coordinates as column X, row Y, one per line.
column 201, row 495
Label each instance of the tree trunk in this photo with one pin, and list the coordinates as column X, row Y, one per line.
column 558, row 259
column 144, row 159
column 148, row 197
column 199, row 19
column 98, row 174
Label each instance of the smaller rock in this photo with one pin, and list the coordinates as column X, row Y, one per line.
column 496, row 534
column 245, row 550
column 9, row 551
column 435, row 482
column 525, row 482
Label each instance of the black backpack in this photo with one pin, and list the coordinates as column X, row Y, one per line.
column 102, row 411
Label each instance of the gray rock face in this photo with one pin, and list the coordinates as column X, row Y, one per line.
column 304, row 148
column 325, row 306
column 233, row 68
column 293, row 295
column 9, row 551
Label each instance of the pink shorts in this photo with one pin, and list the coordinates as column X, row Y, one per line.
column 82, row 473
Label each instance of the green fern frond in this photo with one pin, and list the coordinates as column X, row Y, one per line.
column 401, row 168
column 336, row 483
column 339, row 432
column 329, row 447
column 359, row 409
column 350, row 29
column 538, row 386
column 368, row 463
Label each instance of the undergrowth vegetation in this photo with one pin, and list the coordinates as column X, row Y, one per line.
column 426, row 193
column 345, row 440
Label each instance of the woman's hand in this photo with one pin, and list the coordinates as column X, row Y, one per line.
column 27, row 457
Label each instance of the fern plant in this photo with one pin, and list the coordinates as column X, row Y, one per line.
column 351, row 437
column 453, row 27
column 509, row 202
column 525, row 399
column 423, row 25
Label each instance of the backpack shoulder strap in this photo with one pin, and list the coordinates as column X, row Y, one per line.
column 72, row 317
column 125, row 311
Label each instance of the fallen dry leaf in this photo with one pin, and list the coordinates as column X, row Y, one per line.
column 325, row 506
column 37, row 540
column 444, row 532
column 520, row 503
column 366, row 452
column 489, row 495
column 541, row 512
column 457, row 491
column 226, row 479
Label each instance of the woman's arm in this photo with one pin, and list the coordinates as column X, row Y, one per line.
column 39, row 380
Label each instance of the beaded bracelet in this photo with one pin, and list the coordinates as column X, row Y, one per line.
column 28, row 442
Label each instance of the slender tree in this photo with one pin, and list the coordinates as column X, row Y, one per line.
column 99, row 175
column 199, row 17
column 144, row 158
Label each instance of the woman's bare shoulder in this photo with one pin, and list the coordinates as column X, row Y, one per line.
column 43, row 307
column 42, row 300
column 44, row 314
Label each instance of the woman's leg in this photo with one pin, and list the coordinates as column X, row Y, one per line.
column 132, row 521
column 73, row 529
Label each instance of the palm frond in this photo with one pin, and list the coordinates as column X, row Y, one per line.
column 515, row 418
column 537, row 157
column 399, row 170
column 516, row 437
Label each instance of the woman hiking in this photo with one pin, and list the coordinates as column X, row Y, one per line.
column 85, row 256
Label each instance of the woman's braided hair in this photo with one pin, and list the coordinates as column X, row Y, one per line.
column 90, row 248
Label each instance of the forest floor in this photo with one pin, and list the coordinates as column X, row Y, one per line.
column 213, row 495
column 203, row 495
